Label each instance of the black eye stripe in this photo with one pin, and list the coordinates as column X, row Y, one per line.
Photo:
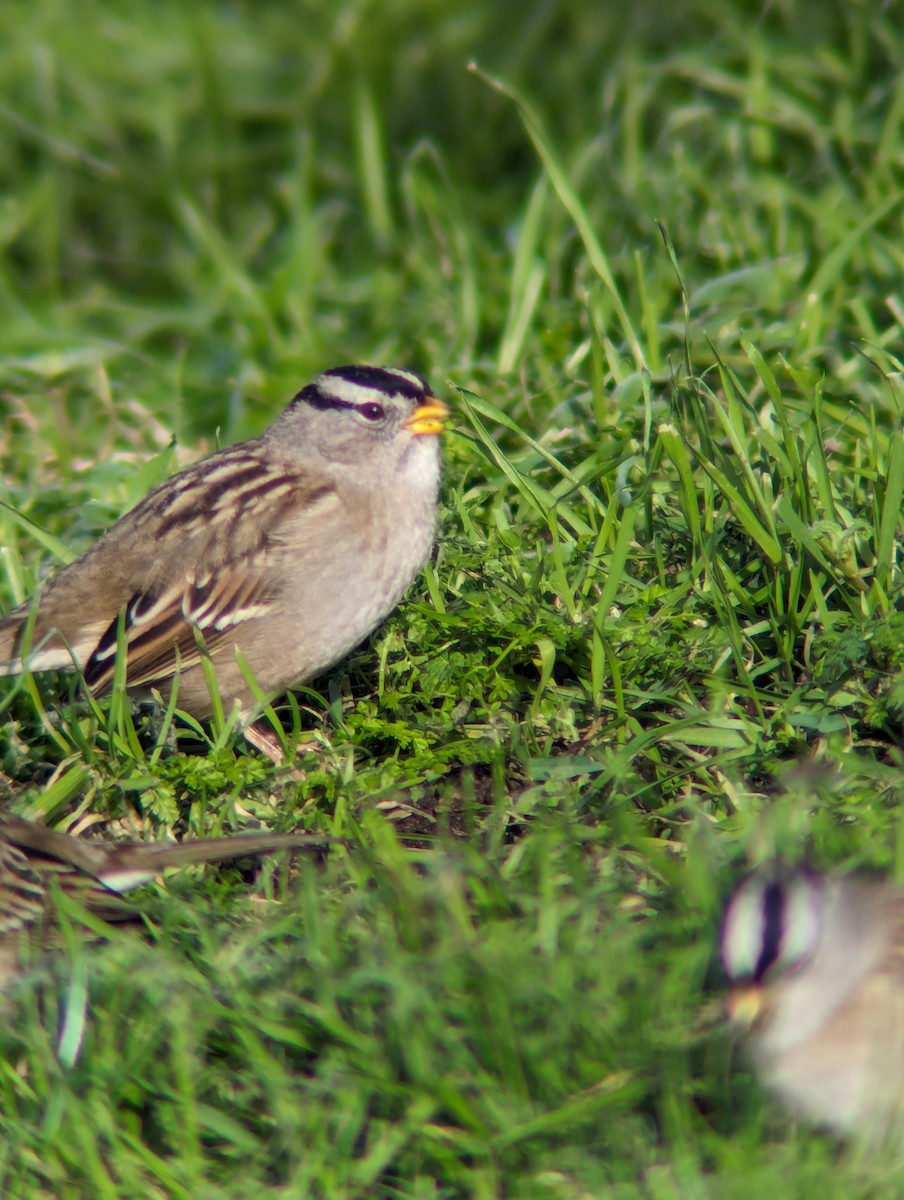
column 371, row 409
column 320, row 400
column 377, row 382
column 773, row 927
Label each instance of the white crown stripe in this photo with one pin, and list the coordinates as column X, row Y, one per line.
column 352, row 393
column 408, row 376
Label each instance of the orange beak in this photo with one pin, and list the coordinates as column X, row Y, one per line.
column 428, row 418
column 744, row 1005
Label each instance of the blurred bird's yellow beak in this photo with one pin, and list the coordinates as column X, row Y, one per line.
column 429, row 417
column 744, row 1005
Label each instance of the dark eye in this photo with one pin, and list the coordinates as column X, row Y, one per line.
column 372, row 412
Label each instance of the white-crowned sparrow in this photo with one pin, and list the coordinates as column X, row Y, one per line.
column 816, row 965
column 274, row 556
column 34, row 859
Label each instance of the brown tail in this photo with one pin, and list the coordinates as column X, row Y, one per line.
column 126, row 866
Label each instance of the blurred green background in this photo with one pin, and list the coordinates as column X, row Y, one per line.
column 663, row 245
column 237, row 195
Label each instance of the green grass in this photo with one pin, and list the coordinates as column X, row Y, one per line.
column 658, row 257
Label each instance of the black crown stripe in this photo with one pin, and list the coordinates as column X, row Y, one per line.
column 381, row 380
column 773, row 927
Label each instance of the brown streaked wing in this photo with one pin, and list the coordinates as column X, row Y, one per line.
column 36, row 862
column 159, row 647
column 228, row 582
